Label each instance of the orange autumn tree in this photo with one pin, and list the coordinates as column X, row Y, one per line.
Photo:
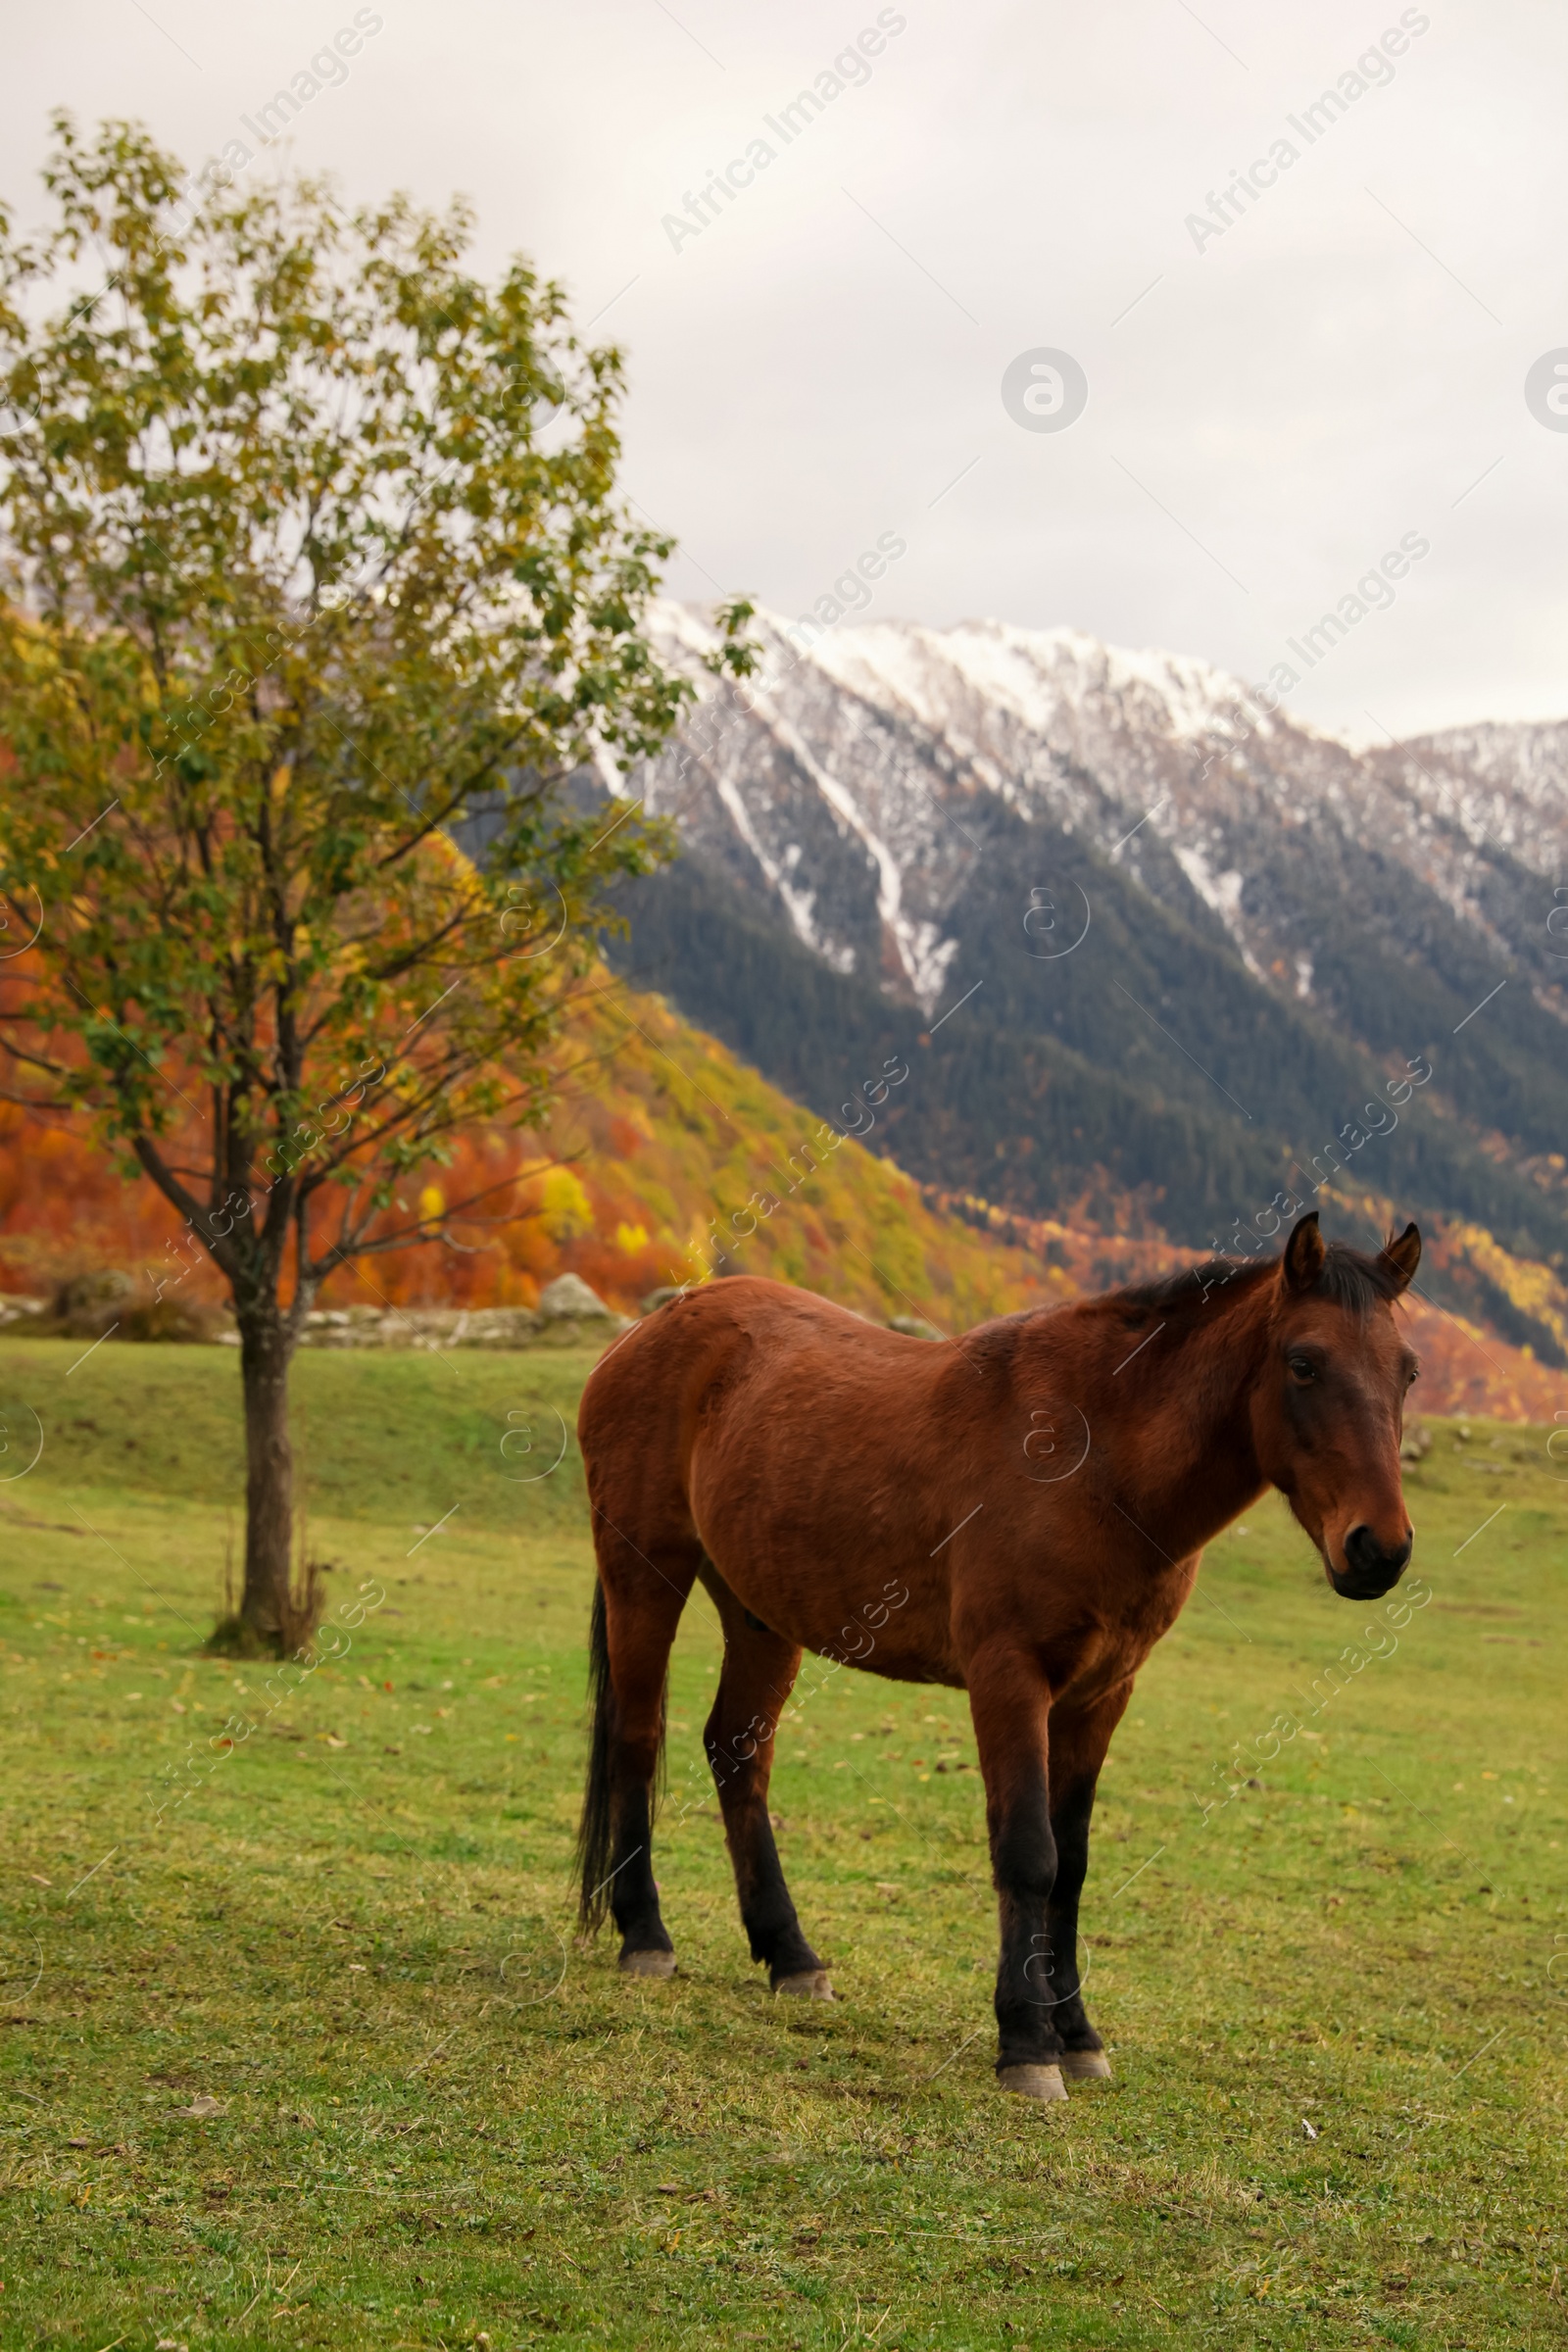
column 318, row 593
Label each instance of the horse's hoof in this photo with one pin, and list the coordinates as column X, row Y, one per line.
column 1086, row 2066
column 810, row 1984
column 648, row 1964
column 1032, row 2082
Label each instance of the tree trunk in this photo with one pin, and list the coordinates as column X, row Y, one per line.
column 267, row 1611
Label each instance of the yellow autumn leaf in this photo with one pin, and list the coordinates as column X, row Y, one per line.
column 567, row 1210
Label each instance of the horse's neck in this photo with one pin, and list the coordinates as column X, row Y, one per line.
column 1201, row 1469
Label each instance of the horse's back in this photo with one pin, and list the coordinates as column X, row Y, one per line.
column 721, row 1382
column 682, row 1359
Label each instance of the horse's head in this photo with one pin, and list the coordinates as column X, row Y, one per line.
column 1329, row 1406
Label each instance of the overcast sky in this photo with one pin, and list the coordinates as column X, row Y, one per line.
column 1280, row 389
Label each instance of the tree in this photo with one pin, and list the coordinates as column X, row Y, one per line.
column 318, row 595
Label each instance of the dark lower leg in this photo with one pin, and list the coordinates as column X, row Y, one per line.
column 768, row 1911
column 1069, row 1822
column 640, row 1639
column 1010, row 1704
column 1078, row 1745
column 1024, row 1860
column 633, row 1896
column 739, row 1738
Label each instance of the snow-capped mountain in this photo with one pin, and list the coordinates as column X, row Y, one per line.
column 1140, row 938
column 852, row 782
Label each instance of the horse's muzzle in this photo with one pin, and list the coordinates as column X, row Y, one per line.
column 1369, row 1569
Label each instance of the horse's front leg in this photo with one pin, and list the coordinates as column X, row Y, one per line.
column 1010, row 1704
column 1078, row 1745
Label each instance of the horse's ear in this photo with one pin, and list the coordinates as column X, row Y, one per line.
column 1304, row 1254
column 1403, row 1256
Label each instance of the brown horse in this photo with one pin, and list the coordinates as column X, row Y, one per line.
column 1018, row 1513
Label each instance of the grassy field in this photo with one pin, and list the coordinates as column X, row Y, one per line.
column 296, row 2047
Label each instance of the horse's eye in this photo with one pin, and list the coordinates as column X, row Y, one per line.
column 1303, row 1368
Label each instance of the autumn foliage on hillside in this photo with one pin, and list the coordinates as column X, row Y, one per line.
column 663, row 1160
column 666, row 1161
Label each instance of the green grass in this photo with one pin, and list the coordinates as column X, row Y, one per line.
column 1335, row 2005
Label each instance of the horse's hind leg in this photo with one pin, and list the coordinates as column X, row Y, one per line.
column 753, row 1687
column 637, row 1608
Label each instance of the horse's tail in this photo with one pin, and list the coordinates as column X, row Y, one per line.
column 595, row 1830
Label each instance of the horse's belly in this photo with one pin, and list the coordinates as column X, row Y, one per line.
column 867, row 1613
column 829, row 1567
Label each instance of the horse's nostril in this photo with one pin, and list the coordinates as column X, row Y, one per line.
column 1366, row 1556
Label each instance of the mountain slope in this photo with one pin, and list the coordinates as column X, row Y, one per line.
column 661, row 1143
column 1152, row 934
column 664, row 1160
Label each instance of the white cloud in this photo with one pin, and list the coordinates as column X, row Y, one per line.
column 1338, row 368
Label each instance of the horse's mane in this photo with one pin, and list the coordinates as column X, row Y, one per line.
column 1348, row 1279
